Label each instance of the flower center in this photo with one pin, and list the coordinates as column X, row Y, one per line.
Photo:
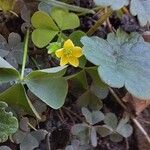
column 68, row 52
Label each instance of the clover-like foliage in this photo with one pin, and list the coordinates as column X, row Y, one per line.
column 123, row 60
column 45, row 84
column 12, row 50
column 8, row 123
column 46, row 28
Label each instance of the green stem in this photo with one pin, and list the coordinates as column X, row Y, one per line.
column 69, row 7
column 102, row 19
column 25, row 49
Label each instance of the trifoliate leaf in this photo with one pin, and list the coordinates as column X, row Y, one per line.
column 45, row 29
column 12, row 50
column 92, row 117
column 64, row 19
column 88, row 99
column 123, row 59
column 141, row 8
column 115, row 4
column 8, row 123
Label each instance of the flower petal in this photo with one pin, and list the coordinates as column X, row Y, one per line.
column 63, row 60
column 74, row 61
column 68, row 44
column 77, row 51
column 59, row 52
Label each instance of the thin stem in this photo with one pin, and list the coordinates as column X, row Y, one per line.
column 36, row 64
column 67, row 6
column 117, row 98
column 141, row 129
column 31, row 126
column 48, row 141
column 102, row 19
column 25, row 54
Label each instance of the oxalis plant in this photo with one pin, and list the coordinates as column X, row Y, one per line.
column 45, row 84
column 121, row 60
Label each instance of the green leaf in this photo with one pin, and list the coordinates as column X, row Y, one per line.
column 42, row 20
column 88, row 99
column 92, row 117
column 124, row 128
column 64, row 19
column 4, row 148
column 49, row 86
column 33, row 139
column 99, row 92
column 115, row 4
column 81, row 131
column 45, row 29
column 111, row 120
column 123, row 59
column 15, row 96
column 29, row 142
column 79, row 81
column 93, row 72
column 8, row 123
column 93, row 135
column 104, row 130
column 53, row 47
column 7, row 5
column 87, row 114
column 141, row 8
column 76, row 37
column 7, row 72
column 46, row 73
column 42, row 37
column 82, row 62
column 116, row 137
column 97, row 116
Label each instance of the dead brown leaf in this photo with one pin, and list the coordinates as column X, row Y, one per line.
column 134, row 104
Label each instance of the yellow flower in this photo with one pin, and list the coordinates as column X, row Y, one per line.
column 69, row 54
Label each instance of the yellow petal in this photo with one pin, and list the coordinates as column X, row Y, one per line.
column 77, row 51
column 59, row 53
column 74, row 61
column 63, row 60
column 68, row 44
